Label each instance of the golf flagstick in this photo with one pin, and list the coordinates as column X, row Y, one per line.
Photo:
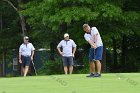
column 34, row 68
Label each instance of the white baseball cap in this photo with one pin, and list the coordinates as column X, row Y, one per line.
column 26, row 37
column 66, row 35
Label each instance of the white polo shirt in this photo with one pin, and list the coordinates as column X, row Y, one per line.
column 26, row 49
column 67, row 47
column 90, row 36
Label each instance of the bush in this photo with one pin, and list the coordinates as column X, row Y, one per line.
column 56, row 67
column 85, row 69
column 51, row 67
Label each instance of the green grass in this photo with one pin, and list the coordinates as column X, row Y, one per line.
column 78, row 83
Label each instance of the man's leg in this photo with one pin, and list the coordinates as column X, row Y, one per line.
column 66, row 70
column 91, row 58
column 71, row 69
column 98, row 63
column 70, row 63
column 98, row 57
column 91, row 63
column 22, row 65
column 27, row 64
column 26, row 71
column 64, row 59
column 92, row 67
column 22, row 70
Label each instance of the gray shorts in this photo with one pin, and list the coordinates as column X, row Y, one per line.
column 67, row 61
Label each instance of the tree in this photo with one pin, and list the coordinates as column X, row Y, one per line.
column 22, row 20
column 52, row 18
column 10, row 31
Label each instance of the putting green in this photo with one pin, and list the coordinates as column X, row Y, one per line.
column 76, row 83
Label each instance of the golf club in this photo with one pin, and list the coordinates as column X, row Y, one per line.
column 94, row 55
column 34, row 68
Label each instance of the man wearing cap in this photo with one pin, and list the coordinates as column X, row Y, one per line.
column 67, row 53
column 92, row 36
column 26, row 53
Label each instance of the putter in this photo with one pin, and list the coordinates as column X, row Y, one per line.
column 34, row 68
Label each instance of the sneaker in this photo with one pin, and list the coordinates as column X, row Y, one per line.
column 90, row 75
column 97, row 75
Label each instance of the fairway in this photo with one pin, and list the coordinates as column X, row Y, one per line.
column 76, row 83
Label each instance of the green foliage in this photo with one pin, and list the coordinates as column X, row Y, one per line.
column 10, row 31
column 109, row 11
column 52, row 14
column 53, row 18
column 48, row 20
column 86, row 65
column 51, row 67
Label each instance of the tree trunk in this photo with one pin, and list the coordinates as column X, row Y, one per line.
column 104, row 60
column 52, row 51
column 123, row 55
column 22, row 19
column 3, row 53
column 114, row 54
column 3, row 62
column 1, row 70
column 1, row 25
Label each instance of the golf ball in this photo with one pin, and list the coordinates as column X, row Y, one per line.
column 119, row 78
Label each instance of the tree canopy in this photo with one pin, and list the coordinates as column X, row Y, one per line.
column 47, row 21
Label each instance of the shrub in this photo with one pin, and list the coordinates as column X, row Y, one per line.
column 51, row 67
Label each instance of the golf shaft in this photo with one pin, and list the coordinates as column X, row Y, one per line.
column 34, row 68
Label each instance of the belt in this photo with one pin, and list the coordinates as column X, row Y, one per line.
column 25, row 55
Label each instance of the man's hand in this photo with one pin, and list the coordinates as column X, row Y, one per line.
column 20, row 61
column 73, row 55
column 61, row 53
column 31, row 58
column 94, row 46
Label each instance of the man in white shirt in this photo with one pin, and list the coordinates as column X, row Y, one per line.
column 92, row 36
column 26, row 53
column 67, row 53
